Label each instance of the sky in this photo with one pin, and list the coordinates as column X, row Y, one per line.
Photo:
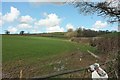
column 47, row 17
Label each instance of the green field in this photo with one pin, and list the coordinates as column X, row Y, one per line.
column 35, row 52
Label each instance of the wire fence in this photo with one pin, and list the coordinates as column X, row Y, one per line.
column 19, row 72
column 83, row 72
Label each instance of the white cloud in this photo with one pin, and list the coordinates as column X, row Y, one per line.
column 45, row 14
column 35, row 31
column 19, row 27
column 50, row 20
column 95, row 29
column 55, row 29
column 12, row 29
column 24, row 26
column 118, row 28
column 12, row 15
column 69, row 26
column 100, row 24
column 58, row 1
column 26, row 19
column 47, row 0
column 114, row 28
column 1, row 22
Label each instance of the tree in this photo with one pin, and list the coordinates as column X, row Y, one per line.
column 70, row 33
column 79, row 32
column 7, row 32
column 70, row 30
column 21, row 32
column 108, row 9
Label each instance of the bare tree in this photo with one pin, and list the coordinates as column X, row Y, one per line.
column 108, row 9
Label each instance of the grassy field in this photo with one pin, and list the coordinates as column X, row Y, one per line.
column 39, row 54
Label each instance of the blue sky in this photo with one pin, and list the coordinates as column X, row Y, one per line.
column 47, row 17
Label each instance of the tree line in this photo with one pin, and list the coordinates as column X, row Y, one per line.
column 82, row 32
column 8, row 32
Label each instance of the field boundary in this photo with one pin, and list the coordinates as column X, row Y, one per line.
column 71, row 71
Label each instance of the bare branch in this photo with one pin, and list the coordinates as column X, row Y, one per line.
column 101, row 8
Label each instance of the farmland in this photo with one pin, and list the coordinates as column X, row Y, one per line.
column 40, row 55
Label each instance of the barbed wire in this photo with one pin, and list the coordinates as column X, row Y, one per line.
column 82, row 72
column 71, row 71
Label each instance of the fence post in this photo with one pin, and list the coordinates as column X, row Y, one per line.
column 21, row 74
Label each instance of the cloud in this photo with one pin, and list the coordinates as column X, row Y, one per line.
column 51, row 23
column 36, row 3
column 100, row 24
column 69, row 26
column 58, row 1
column 12, row 15
column 1, row 22
column 95, row 29
column 45, row 14
column 47, row 0
column 50, row 20
column 12, row 29
column 35, row 31
column 113, row 28
column 24, row 26
column 55, row 29
column 118, row 28
column 19, row 27
column 26, row 19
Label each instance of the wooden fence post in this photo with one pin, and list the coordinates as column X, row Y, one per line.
column 21, row 74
